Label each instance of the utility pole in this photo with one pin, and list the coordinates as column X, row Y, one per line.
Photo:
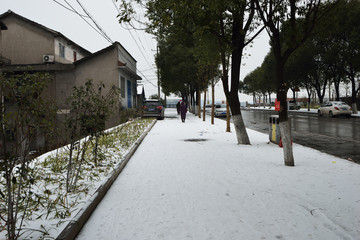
column 157, row 69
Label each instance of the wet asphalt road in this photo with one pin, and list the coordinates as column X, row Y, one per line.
column 337, row 136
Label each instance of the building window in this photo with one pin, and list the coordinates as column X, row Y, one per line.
column 75, row 57
column 122, row 87
column 61, row 50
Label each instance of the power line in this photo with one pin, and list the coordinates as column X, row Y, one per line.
column 99, row 30
column 147, row 79
column 149, row 69
column 143, row 33
column 72, row 9
column 96, row 24
column 118, row 10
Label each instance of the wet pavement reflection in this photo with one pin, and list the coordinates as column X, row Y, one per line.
column 337, row 136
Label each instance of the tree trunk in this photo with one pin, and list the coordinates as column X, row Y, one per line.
column 337, row 89
column 69, row 166
column 237, row 40
column 270, row 104
column 285, row 130
column 239, row 129
column 353, row 95
column 354, row 108
column 199, row 103
column 264, row 100
column 227, row 117
column 193, row 101
column 309, row 97
column 320, row 90
column 239, row 125
column 294, row 94
column 212, row 100
column 97, row 136
column 204, row 105
column 10, row 224
column 234, row 103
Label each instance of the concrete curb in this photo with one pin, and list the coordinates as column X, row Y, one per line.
column 75, row 225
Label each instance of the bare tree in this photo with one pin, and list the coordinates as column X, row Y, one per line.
column 289, row 24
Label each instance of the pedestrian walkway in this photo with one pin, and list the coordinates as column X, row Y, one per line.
column 193, row 181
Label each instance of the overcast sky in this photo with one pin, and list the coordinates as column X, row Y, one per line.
column 139, row 44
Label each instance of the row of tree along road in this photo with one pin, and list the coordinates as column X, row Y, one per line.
column 329, row 57
column 199, row 40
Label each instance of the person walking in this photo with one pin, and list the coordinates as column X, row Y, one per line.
column 178, row 107
column 183, row 111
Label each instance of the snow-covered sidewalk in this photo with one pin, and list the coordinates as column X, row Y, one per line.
column 193, row 181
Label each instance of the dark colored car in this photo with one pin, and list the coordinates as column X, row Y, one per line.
column 153, row 108
column 293, row 105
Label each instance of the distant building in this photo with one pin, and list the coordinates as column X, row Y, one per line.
column 171, row 102
column 30, row 44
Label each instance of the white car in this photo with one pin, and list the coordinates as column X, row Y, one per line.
column 220, row 110
column 335, row 108
column 208, row 108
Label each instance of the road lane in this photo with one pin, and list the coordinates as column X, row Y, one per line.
column 336, row 136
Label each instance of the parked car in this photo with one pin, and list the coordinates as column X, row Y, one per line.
column 208, row 108
column 335, row 108
column 220, row 110
column 293, row 105
column 153, row 108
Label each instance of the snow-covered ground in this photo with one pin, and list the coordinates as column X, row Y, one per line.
column 53, row 208
column 193, row 181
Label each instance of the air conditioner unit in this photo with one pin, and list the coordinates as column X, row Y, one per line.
column 48, row 58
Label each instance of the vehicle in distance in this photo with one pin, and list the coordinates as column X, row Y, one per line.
column 208, row 108
column 335, row 108
column 153, row 108
column 293, row 105
column 220, row 110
